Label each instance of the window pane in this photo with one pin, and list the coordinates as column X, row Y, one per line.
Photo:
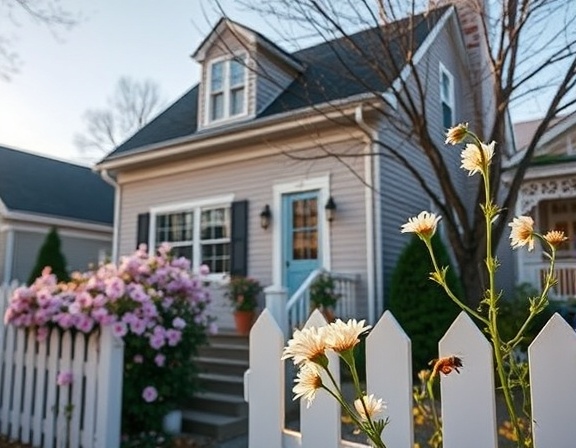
column 183, row 251
column 216, row 257
column 445, row 87
column 215, row 224
column 217, row 106
column 446, row 115
column 174, row 227
column 217, row 76
column 237, row 101
column 236, row 73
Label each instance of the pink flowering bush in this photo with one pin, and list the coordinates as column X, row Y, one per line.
column 153, row 303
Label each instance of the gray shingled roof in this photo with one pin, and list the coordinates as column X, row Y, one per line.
column 35, row 184
column 333, row 70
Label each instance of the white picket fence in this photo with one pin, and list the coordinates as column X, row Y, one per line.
column 468, row 399
column 32, row 405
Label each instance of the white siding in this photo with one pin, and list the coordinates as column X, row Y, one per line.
column 253, row 180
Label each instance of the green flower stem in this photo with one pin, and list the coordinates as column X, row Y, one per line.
column 440, row 278
column 370, row 429
column 542, row 299
column 489, row 213
column 430, row 389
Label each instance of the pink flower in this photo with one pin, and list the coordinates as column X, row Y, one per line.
column 178, row 323
column 173, row 336
column 149, row 394
column 115, row 288
column 160, row 359
column 42, row 333
column 138, row 359
column 157, row 342
column 65, row 378
column 204, row 270
column 119, row 329
column 85, row 324
column 138, row 326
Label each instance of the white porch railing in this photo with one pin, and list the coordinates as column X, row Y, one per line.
column 565, row 271
column 297, row 308
column 468, row 398
column 33, row 407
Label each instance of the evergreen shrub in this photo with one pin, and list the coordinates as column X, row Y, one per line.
column 421, row 306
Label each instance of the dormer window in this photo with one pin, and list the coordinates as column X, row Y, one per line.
column 227, row 89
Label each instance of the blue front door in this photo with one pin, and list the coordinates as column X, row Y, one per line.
column 301, row 251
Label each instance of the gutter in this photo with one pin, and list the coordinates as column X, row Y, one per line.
column 373, row 220
column 209, row 139
column 116, row 220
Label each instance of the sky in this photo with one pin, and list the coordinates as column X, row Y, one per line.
column 64, row 73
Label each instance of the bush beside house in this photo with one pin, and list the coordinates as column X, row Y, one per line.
column 50, row 255
column 421, row 306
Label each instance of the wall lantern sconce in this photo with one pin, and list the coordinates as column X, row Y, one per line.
column 330, row 208
column 265, row 216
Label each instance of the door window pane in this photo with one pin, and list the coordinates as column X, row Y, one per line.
column 304, row 229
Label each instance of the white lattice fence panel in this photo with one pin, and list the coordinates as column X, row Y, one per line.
column 32, row 405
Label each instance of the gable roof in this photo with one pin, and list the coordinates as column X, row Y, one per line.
column 40, row 185
column 323, row 80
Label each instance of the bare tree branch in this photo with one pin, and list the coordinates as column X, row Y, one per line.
column 133, row 105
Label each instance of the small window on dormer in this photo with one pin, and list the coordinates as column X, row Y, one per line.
column 447, row 97
column 227, row 89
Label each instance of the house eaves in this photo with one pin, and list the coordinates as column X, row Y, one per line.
column 245, row 132
column 17, row 215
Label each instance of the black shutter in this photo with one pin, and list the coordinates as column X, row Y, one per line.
column 239, row 239
column 143, row 229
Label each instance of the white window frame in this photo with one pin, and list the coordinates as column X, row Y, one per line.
column 226, row 89
column 450, row 100
column 196, row 207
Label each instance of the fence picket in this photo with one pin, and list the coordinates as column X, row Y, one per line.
column 78, row 373
column 30, row 369
column 325, row 413
column 389, row 376
column 266, row 383
column 51, row 404
column 7, row 357
column 468, row 401
column 90, row 401
column 552, row 363
column 39, row 410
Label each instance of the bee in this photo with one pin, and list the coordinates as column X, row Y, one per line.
column 446, row 365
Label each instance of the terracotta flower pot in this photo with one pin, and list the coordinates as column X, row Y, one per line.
column 244, row 321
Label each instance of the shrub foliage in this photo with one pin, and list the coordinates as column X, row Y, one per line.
column 421, row 306
column 50, row 255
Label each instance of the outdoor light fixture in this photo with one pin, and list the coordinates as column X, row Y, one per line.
column 330, row 208
column 265, row 216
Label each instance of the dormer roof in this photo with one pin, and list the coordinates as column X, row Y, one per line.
column 244, row 34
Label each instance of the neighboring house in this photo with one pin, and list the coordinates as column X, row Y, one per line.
column 548, row 195
column 204, row 171
column 37, row 193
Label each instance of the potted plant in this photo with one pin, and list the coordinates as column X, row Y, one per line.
column 243, row 293
column 323, row 295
